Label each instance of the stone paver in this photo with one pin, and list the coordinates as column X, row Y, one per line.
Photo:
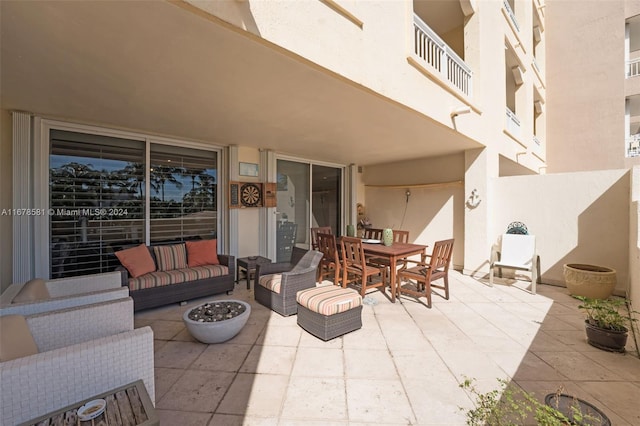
column 404, row 366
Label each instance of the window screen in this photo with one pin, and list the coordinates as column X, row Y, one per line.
column 183, row 194
column 96, row 200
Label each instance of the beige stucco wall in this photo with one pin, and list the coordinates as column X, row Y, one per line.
column 368, row 55
column 248, row 219
column 482, row 168
column 442, row 169
column 6, row 191
column 634, row 242
column 432, row 212
column 576, row 217
column 585, row 89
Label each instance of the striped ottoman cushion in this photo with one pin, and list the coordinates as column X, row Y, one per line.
column 271, row 282
column 329, row 299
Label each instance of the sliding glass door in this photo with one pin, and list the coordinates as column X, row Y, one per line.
column 326, row 196
column 308, row 195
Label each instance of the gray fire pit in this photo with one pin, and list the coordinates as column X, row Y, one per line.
column 217, row 321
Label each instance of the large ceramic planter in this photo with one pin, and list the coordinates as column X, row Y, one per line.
column 220, row 324
column 609, row 340
column 596, row 282
column 578, row 411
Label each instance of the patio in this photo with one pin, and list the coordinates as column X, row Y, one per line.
column 403, row 367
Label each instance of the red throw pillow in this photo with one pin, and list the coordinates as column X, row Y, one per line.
column 137, row 260
column 202, row 253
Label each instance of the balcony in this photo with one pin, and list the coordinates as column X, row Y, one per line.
column 538, row 72
column 512, row 16
column 633, row 145
column 512, row 124
column 633, row 68
column 434, row 52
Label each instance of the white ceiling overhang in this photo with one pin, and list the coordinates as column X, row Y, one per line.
column 159, row 68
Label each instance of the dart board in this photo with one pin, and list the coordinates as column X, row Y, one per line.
column 251, row 195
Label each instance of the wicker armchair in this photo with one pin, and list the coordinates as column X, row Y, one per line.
column 276, row 284
column 66, row 293
column 82, row 351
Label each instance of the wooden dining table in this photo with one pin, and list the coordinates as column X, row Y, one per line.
column 394, row 252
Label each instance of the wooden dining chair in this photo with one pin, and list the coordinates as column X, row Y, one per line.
column 373, row 233
column 355, row 267
column 330, row 263
column 398, row 237
column 314, row 235
column 424, row 273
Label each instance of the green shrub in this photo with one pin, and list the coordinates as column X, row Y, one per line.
column 604, row 313
column 511, row 406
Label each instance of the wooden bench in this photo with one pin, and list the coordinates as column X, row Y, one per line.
column 128, row 405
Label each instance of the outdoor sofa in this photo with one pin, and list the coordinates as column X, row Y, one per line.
column 166, row 273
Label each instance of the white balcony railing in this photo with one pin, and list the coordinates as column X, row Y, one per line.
column 429, row 47
column 633, row 67
column 512, row 123
column 633, row 145
column 512, row 15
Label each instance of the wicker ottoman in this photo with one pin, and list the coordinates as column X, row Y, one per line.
column 329, row 311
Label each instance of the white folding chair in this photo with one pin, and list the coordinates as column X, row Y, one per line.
column 517, row 252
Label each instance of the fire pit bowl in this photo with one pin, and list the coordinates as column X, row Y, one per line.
column 217, row 321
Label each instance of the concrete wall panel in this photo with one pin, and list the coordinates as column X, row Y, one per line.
column 634, row 242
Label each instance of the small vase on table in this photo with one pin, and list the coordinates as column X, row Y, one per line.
column 387, row 236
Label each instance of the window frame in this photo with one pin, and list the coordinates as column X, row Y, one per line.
column 40, row 185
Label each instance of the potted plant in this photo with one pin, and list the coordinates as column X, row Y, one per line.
column 606, row 327
column 509, row 405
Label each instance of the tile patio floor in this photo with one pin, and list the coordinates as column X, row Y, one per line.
column 402, row 368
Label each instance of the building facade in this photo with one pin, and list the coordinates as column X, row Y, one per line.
column 413, row 109
column 593, row 113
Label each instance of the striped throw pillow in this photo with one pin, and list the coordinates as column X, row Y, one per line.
column 170, row 257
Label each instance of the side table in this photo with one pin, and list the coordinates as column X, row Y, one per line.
column 249, row 265
column 129, row 404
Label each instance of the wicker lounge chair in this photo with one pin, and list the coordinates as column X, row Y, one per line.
column 64, row 293
column 276, row 284
column 81, row 352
